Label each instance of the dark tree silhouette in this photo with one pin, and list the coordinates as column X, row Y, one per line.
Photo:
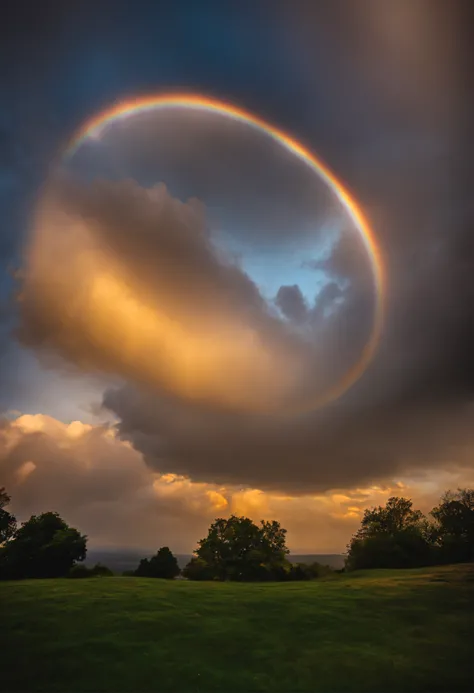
column 162, row 565
column 43, row 547
column 395, row 516
column 7, row 520
column 237, row 549
column 455, row 519
column 391, row 536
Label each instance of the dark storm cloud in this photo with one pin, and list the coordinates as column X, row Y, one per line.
column 279, row 200
column 413, row 408
column 351, row 447
column 379, row 93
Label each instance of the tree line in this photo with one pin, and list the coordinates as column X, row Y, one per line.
column 397, row 536
column 391, row 536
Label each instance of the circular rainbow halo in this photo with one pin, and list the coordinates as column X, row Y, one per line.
column 93, row 128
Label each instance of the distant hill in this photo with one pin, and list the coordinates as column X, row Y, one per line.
column 119, row 560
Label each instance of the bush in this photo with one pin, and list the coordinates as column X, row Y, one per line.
column 308, row 571
column 198, row 569
column 100, row 570
column 405, row 549
column 79, row 571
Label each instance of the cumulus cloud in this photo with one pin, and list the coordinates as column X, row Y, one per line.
column 100, row 484
column 103, row 486
column 127, row 280
column 291, row 302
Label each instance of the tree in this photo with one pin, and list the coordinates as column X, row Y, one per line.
column 237, row 549
column 455, row 520
column 198, row 569
column 162, row 565
column 395, row 516
column 44, row 546
column 392, row 536
column 273, row 540
column 7, row 520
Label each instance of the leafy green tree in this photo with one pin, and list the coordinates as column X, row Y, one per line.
column 143, row 569
column 391, row 536
column 237, row 549
column 395, row 516
column 273, row 540
column 7, row 520
column 455, row 521
column 162, row 565
column 44, row 546
column 198, row 569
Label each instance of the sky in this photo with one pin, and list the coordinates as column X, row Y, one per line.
column 180, row 294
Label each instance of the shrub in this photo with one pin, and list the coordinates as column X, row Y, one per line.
column 198, row 569
column 100, row 570
column 79, row 571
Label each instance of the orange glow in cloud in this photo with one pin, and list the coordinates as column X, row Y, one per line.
column 198, row 355
column 128, row 501
column 99, row 319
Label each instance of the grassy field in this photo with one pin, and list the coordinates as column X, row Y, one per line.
column 405, row 630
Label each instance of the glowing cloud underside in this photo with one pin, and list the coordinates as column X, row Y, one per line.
column 96, row 125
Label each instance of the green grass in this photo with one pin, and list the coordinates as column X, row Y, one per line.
column 407, row 630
